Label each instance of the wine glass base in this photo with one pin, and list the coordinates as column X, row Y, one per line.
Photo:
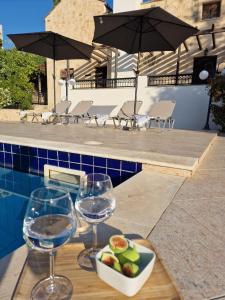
column 86, row 259
column 59, row 288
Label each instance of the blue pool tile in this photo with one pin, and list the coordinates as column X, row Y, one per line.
column 25, row 163
column 75, row 158
column 16, row 149
column 100, row 162
column 113, row 173
column 75, row 166
column 52, row 154
column 42, row 153
column 129, row 166
column 87, row 169
column 115, row 176
column 33, row 151
column 100, row 170
column 87, row 159
column 2, row 158
column 7, row 147
column 63, row 156
column 41, row 163
column 64, row 164
column 8, row 160
column 113, row 163
column 139, row 167
column 16, row 161
column 126, row 175
column 1, row 147
column 34, row 164
column 53, row 162
column 24, row 150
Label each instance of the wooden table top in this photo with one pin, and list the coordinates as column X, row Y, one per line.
column 86, row 284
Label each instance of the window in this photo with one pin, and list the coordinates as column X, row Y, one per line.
column 211, row 10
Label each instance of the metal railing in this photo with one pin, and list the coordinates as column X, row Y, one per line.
column 105, row 83
column 159, row 80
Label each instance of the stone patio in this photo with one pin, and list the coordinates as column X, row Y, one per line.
column 183, row 217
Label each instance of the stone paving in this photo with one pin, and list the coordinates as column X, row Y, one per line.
column 190, row 235
column 183, row 218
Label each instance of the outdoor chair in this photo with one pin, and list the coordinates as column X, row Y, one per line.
column 54, row 115
column 161, row 112
column 126, row 113
column 78, row 112
column 100, row 113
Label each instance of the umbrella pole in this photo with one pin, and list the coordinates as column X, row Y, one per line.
column 136, row 84
column 54, row 84
column 67, row 79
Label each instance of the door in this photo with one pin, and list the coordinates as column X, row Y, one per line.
column 101, row 77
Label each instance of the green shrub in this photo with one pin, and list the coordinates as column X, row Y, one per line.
column 5, row 98
column 16, row 70
column 217, row 92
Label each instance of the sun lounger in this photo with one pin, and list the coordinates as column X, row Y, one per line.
column 48, row 116
column 161, row 112
column 100, row 113
column 54, row 116
column 78, row 112
column 126, row 113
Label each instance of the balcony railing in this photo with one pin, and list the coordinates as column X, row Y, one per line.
column 159, row 80
column 105, row 83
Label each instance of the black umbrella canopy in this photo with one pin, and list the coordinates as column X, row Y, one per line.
column 52, row 45
column 143, row 30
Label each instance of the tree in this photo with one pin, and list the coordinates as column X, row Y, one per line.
column 16, row 70
column 55, row 2
column 217, row 92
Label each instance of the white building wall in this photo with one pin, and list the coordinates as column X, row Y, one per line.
column 191, row 101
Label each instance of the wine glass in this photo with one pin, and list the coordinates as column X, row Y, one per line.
column 95, row 202
column 48, row 224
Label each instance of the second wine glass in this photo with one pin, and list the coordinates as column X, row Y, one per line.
column 95, row 203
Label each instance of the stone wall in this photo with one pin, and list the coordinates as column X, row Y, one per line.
column 74, row 19
column 12, row 115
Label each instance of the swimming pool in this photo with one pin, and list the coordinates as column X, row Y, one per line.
column 15, row 190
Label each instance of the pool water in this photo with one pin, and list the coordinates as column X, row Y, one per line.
column 15, row 190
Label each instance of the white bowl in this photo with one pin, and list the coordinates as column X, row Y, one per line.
column 125, row 285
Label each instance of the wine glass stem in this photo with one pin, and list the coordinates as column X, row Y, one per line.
column 51, row 265
column 95, row 241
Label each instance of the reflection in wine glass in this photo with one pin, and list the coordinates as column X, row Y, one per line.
column 95, row 203
column 48, row 224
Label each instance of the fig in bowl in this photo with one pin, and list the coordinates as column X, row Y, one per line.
column 128, row 269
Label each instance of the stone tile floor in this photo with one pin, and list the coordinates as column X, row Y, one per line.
column 190, row 236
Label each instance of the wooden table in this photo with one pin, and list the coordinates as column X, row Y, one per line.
column 86, row 284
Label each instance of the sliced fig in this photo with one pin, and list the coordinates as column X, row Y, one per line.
column 109, row 259
column 130, row 269
column 130, row 255
column 118, row 243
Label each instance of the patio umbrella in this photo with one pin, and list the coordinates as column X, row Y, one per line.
column 51, row 45
column 143, row 30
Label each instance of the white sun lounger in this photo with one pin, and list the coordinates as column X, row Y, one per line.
column 161, row 112
column 48, row 116
column 126, row 113
column 100, row 113
column 78, row 112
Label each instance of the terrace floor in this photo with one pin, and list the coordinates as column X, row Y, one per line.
column 176, row 149
column 183, row 217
